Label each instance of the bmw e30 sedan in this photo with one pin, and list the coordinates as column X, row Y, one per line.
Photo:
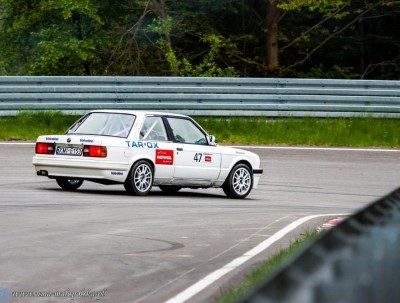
column 144, row 149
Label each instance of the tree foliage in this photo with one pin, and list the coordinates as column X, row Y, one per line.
column 225, row 38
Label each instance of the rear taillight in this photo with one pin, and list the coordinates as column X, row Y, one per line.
column 94, row 151
column 44, row 148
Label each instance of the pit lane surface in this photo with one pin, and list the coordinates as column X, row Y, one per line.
column 149, row 249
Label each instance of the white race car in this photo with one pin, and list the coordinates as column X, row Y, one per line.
column 140, row 149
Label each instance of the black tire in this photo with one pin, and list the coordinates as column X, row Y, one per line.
column 239, row 182
column 170, row 189
column 140, row 179
column 69, row 183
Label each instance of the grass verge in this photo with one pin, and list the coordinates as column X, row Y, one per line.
column 354, row 132
column 258, row 275
column 28, row 126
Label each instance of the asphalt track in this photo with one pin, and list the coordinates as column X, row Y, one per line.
column 161, row 247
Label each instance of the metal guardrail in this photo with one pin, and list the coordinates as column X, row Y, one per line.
column 203, row 96
column 356, row 261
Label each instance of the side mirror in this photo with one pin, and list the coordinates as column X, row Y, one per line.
column 211, row 140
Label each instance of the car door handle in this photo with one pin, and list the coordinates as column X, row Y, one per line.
column 179, row 149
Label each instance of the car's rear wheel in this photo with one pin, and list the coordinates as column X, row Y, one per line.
column 239, row 182
column 69, row 183
column 170, row 189
column 140, row 179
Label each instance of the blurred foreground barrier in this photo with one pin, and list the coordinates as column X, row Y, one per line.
column 356, row 261
column 203, row 96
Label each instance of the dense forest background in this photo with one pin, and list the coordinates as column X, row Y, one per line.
column 238, row 38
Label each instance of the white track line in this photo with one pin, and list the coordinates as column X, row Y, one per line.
column 193, row 290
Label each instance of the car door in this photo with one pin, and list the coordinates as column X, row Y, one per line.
column 196, row 162
column 153, row 134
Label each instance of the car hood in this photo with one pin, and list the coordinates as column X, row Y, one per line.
column 226, row 150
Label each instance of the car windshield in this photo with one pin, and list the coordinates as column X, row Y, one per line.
column 105, row 124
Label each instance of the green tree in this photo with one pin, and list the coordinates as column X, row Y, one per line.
column 343, row 14
column 51, row 37
column 174, row 39
column 251, row 38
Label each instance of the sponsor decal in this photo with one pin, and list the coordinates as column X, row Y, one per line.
column 51, row 139
column 198, row 157
column 164, row 157
column 86, row 140
column 116, row 173
column 141, row 144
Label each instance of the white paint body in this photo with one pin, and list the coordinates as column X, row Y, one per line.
column 175, row 163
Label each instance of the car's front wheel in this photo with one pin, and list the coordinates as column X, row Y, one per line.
column 239, row 182
column 69, row 183
column 140, row 179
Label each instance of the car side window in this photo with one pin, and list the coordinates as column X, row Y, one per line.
column 153, row 129
column 186, row 131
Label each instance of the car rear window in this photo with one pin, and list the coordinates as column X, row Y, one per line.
column 104, row 124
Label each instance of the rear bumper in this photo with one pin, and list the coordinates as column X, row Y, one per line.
column 81, row 168
column 256, row 176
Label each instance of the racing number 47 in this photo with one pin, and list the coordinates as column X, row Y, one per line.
column 197, row 157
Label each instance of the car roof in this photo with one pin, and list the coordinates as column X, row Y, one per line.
column 138, row 113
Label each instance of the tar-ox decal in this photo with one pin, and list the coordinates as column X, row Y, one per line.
column 142, row 144
column 164, row 157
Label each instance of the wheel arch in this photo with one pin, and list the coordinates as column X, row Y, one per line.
column 144, row 157
column 240, row 161
column 139, row 183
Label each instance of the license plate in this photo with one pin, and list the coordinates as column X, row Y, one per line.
column 69, row 151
